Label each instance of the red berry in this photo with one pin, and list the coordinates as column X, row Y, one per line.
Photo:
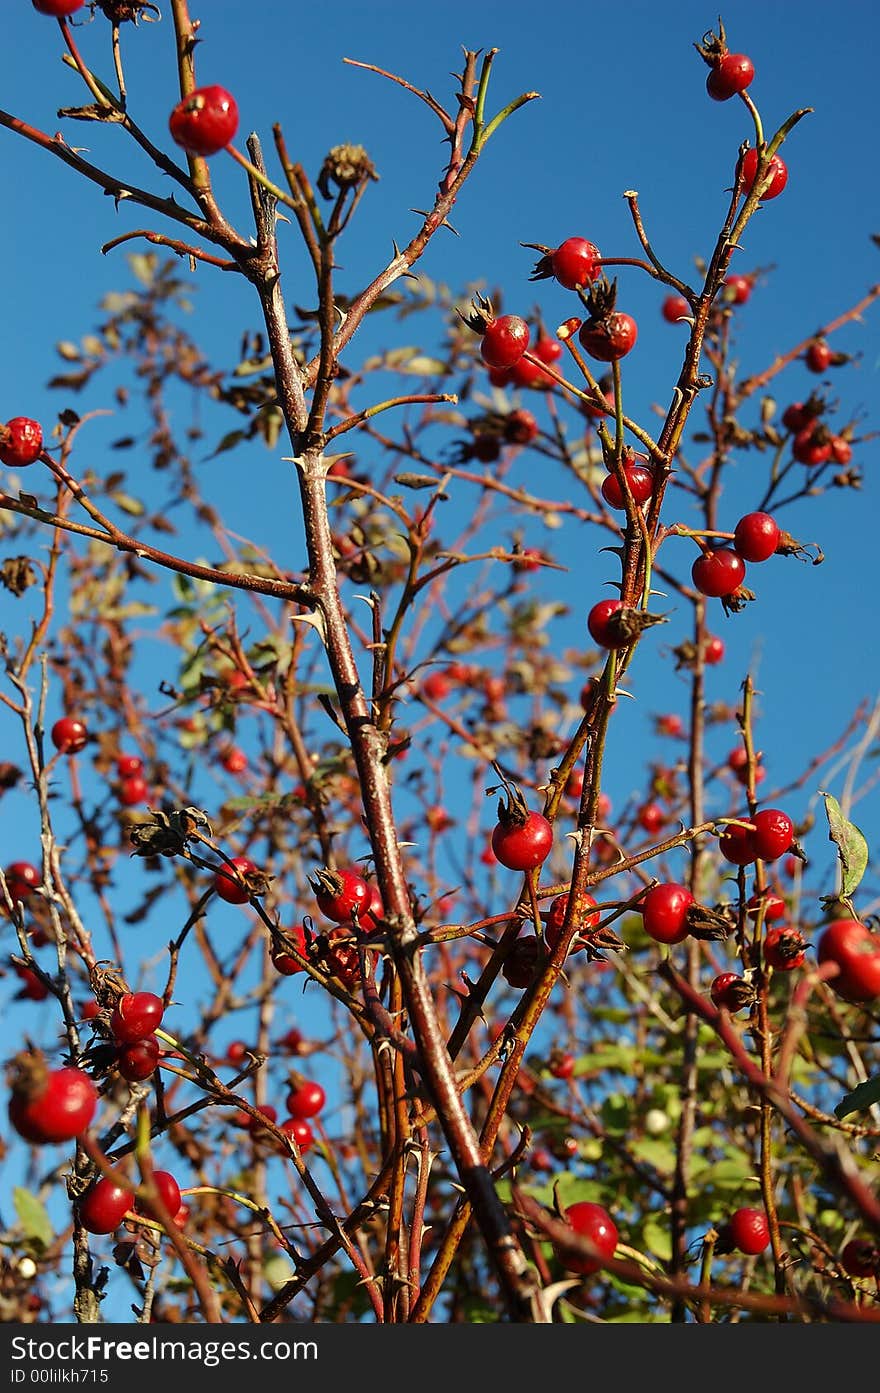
column 562, row 1066
column 526, row 374
column 651, row 817
column 69, row 735
column 53, row 1106
column 138, row 1061
column 841, row 450
column 718, row 572
column 609, row 338
column 299, row 1129
column 727, row 991
column 128, row 765
column 133, row 790
column 593, row 1222
column 169, row 1193
column 738, row 764
column 103, row 1207
column 749, row 1231
column 812, row 445
column 58, row 9
column 773, row 835
column 521, row 846
column 784, row 948
column 32, row 988
column 641, row 486
column 520, row 427
column 521, row 961
column 135, row 1016
column 22, row 878
column 774, row 906
column 436, row 686
column 776, row 169
column 601, row 631
column 583, row 920
column 857, row 953
column 505, row 340
column 795, row 417
column 730, row 75
column 285, row 963
column 861, row 1258
column 675, row 307
column 204, row 121
column 234, row 761
column 737, row 845
column 306, row 1100
column 818, row 356
column 756, row 536
column 236, row 1052
column 664, row 910
column 230, row 889
column 713, row 650
column 342, row 895
column 89, row 1009
column 21, row 442
column 737, row 289
column 575, row 263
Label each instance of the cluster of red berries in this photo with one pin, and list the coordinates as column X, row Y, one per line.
column 106, row 1204
column 720, row 571
column 133, row 1023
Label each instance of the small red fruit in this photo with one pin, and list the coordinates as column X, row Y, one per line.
column 521, row 845
column 505, row 340
column 32, row 988
column 730, row 991
column 609, row 338
column 51, row 1105
column 69, row 735
column 641, row 486
column 784, row 948
column 204, row 121
column 773, row 835
column 128, row 765
column 236, row 1052
column 299, row 1130
column 520, row 427
column 133, row 790
column 818, row 356
column 756, row 536
column 776, row 170
column 713, row 650
column 749, row 1231
column 729, row 76
column 718, row 572
column 230, row 889
column 651, row 817
column 285, row 963
column 812, row 445
column 857, row 953
column 561, row 1066
column 861, row 1258
column 795, row 417
column 58, row 9
column 21, row 442
column 306, row 1100
column 234, row 761
column 436, row 686
column 774, row 906
column 520, row 963
column 674, row 308
column 341, row 895
column 601, row 630
column 737, row 845
column 138, row 1061
column 664, row 910
column 593, row 1222
column 584, row 920
column 22, row 878
column 575, row 263
column 737, row 289
column 103, row 1207
column 135, row 1016
column 169, row 1193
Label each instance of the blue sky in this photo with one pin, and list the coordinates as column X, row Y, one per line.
column 623, row 106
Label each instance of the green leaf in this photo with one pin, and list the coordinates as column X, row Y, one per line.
column 658, row 1240
column 860, row 1099
column 852, row 849
column 33, row 1217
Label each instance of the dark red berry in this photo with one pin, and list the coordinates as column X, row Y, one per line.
column 784, row 947
column 641, row 486
column 169, row 1194
column 128, row 765
column 22, row 878
column 133, row 790
column 69, row 735
column 773, row 835
column 520, row 427
column 32, row 987
column 138, row 1061
column 575, row 263
column 664, row 910
column 818, row 356
column 204, row 121
column 593, row 1222
column 58, row 9
column 341, row 895
column 505, row 341
column 609, row 338
column 729, row 76
column 521, row 846
column 299, row 1130
column 812, row 445
column 756, row 536
column 774, row 906
column 103, row 1207
column 520, row 963
column 730, row 991
column 776, row 170
column 737, row 845
column 795, row 417
column 718, row 572
column 234, row 891
column 234, row 761
column 857, row 953
column 286, row 963
column 674, row 308
column 21, row 442
column 749, row 1231
column 583, row 918
column 601, row 630
column 561, row 1065
column 651, row 817
column 737, row 289
column 861, row 1258
column 135, row 1016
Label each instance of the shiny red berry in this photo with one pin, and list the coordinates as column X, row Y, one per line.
column 286, row 963
column 713, row 650
column 21, row 442
column 306, row 1100
column 718, row 572
column 133, row 790
column 812, row 445
column 169, row 1194
column 737, row 845
column 53, row 1106
column 128, row 765
column 818, row 356
column 505, row 340
column 593, row 1222
column 69, row 735
column 641, row 486
column 674, row 308
column 575, row 263
column 602, row 631
column 773, row 835
column 22, row 878
column 561, row 1066
column 136, row 1015
column 861, row 1258
column 103, row 1207
column 204, row 121
column 737, row 289
column 234, row 761
column 58, row 9
column 857, row 953
column 299, row 1130
column 137, row 1061
column 342, row 895
column 774, row 906
column 233, row 890
column 521, row 846
column 729, row 76
column 756, row 536
column 651, row 817
column 776, row 170
column 610, row 338
column 727, row 991
column 784, row 948
column 584, row 920
column 749, row 1231
column 664, row 910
